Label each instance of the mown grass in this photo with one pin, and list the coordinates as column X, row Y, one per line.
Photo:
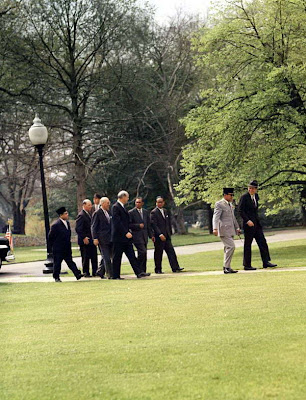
column 239, row 337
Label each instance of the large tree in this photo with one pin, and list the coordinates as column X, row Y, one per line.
column 252, row 117
column 59, row 55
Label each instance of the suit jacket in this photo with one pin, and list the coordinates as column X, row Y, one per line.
column 100, row 227
column 247, row 210
column 83, row 227
column 93, row 209
column 140, row 235
column 60, row 237
column 161, row 225
column 224, row 219
column 120, row 224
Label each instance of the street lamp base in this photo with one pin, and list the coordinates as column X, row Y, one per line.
column 48, row 265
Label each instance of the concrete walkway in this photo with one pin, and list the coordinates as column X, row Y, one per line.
column 32, row 272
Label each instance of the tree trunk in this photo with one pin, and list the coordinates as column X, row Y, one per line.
column 303, row 206
column 177, row 210
column 19, row 217
column 80, row 170
column 209, row 218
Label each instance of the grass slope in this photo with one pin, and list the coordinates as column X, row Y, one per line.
column 238, row 337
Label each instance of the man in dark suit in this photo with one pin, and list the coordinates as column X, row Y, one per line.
column 140, row 225
column 101, row 233
column 87, row 247
column 96, row 203
column 122, row 237
column 59, row 239
column 248, row 210
column 161, row 226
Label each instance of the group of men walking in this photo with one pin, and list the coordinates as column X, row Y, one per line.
column 115, row 232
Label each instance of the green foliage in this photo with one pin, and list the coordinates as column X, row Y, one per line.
column 252, row 119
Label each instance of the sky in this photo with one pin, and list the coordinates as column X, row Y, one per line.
column 168, row 8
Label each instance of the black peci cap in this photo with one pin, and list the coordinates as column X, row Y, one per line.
column 61, row 210
column 228, row 190
column 253, row 183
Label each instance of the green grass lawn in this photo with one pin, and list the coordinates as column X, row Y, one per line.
column 233, row 337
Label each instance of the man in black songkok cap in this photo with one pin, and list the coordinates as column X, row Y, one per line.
column 60, row 241
column 226, row 226
column 248, row 209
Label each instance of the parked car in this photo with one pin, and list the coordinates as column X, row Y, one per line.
column 4, row 249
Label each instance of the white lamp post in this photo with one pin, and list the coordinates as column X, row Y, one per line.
column 39, row 135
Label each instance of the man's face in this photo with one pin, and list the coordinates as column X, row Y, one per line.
column 105, row 205
column 252, row 190
column 64, row 216
column 138, row 203
column 160, row 203
column 96, row 200
column 87, row 206
column 124, row 199
column 229, row 197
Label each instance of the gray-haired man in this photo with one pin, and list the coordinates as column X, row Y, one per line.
column 226, row 226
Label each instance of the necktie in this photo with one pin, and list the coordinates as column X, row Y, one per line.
column 107, row 215
column 162, row 212
column 140, row 212
column 254, row 201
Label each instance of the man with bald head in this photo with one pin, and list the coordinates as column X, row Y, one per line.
column 85, row 241
column 101, row 233
column 122, row 237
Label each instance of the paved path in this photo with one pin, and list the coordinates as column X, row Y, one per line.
column 32, row 272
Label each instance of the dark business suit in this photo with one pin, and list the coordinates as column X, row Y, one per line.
column 161, row 225
column 140, row 235
column 120, row 227
column 88, row 251
column 60, row 241
column 249, row 212
column 101, row 230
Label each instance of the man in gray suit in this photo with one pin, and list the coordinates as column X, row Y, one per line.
column 226, row 226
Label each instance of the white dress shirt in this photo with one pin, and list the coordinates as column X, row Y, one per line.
column 64, row 222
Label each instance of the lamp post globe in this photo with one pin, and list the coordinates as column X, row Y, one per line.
column 38, row 132
column 38, row 136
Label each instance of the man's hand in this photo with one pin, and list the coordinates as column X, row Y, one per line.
column 129, row 235
column 250, row 223
column 96, row 242
column 238, row 231
column 162, row 238
column 86, row 240
column 141, row 226
column 153, row 239
column 215, row 232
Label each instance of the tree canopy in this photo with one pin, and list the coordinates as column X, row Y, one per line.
column 252, row 119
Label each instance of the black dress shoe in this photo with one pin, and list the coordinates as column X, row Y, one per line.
column 143, row 274
column 229, row 271
column 78, row 277
column 178, row 270
column 102, row 277
column 159, row 272
column 87, row 275
column 58, row 280
column 249, row 268
column 269, row 265
column 118, row 279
